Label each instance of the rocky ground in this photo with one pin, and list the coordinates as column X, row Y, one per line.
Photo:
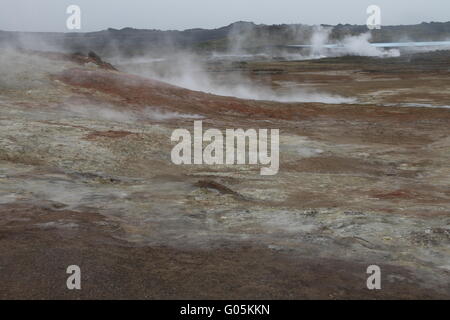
column 86, row 179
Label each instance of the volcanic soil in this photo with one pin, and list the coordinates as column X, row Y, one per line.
column 86, row 179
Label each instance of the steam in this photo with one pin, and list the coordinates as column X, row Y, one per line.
column 245, row 37
column 195, row 72
column 109, row 113
column 23, row 71
column 319, row 38
column 360, row 46
column 188, row 71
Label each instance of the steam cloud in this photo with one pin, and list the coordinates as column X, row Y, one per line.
column 108, row 113
column 187, row 71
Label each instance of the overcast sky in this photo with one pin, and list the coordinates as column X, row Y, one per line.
column 50, row 15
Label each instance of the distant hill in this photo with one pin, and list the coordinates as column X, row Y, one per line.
column 134, row 42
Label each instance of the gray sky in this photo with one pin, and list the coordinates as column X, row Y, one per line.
column 50, row 15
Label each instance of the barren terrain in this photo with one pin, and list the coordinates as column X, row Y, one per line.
column 86, row 178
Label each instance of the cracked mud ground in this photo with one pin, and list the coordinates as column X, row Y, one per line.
column 86, row 179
